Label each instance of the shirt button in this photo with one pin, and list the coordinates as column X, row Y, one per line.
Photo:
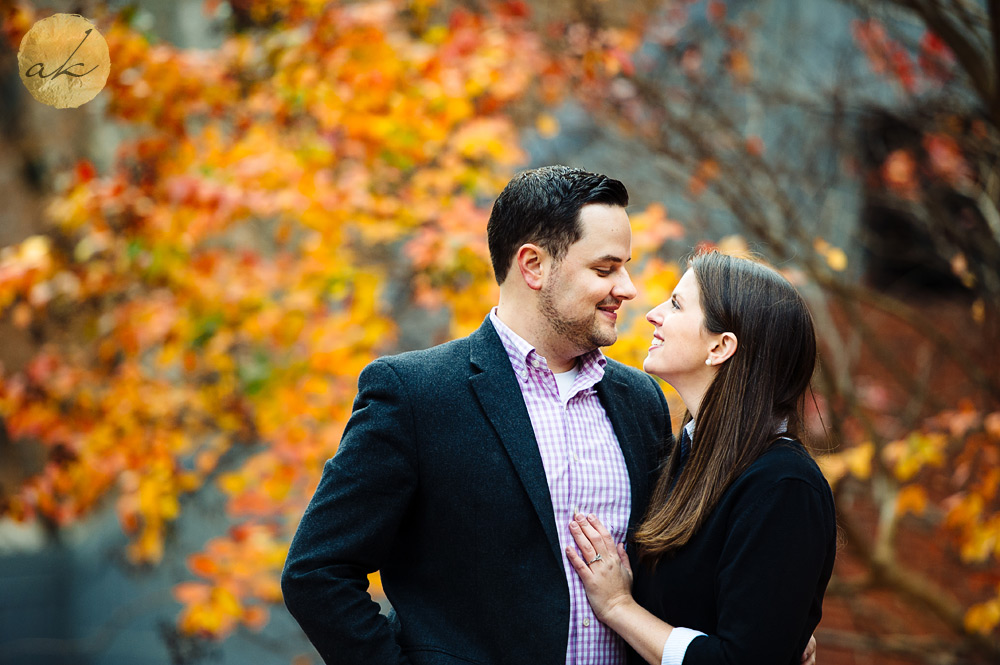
column 586, row 622
column 535, row 363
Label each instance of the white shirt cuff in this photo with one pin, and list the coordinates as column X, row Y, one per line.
column 676, row 645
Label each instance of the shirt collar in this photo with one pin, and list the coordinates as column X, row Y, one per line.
column 522, row 354
column 689, row 428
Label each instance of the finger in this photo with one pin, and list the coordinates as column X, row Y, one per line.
column 579, row 565
column 582, row 541
column 595, row 538
column 609, row 542
column 623, row 555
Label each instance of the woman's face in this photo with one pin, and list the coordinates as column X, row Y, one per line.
column 681, row 343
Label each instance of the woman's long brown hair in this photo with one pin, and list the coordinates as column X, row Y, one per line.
column 756, row 394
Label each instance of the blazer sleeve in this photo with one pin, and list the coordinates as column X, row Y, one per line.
column 350, row 526
column 775, row 564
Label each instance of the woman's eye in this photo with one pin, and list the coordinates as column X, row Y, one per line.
column 673, row 303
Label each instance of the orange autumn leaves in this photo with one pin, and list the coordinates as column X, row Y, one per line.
column 957, row 453
column 241, row 569
column 205, row 306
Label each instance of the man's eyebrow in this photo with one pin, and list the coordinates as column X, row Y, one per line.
column 611, row 258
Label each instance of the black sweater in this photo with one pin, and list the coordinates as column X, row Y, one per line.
column 754, row 575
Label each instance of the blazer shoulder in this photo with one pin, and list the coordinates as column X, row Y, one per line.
column 635, row 379
column 785, row 461
column 428, row 361
column 622, row 372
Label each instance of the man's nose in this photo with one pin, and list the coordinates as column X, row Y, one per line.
column 625, row 289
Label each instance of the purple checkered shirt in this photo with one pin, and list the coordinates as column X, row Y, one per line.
column 585, row 470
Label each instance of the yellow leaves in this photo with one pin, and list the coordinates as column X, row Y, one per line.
column 992, row 425
column 242, row 570
column 979, row 530
column 654, row 282
column 234, row 259
column 982, row 541
column 491, row 140
column 546, row 125
column 983, row 617
column 24, row 271
column 740, row 67
column 856, row 461
column 911, row 499
column 978, row 310
column 835, row 257
column 147, row 503
column 910, row 455
column 735, row 245
column 651, row 228
column 215, row 614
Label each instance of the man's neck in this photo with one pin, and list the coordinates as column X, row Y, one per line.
column 523, row 322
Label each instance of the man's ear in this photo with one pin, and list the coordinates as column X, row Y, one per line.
column 532, row 262
column 723, row 349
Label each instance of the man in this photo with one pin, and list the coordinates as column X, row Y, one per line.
column 462, row 465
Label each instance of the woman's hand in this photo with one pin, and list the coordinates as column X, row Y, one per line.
column 604, row 567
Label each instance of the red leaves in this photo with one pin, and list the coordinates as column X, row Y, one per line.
column 906, row 171
column 945, row 159
column 85, row 171
column 935, row 59
column 716, row 11
column 888, row 57
column 755, row 146
column 706, row 171
column 885, row 55
column 899, row 173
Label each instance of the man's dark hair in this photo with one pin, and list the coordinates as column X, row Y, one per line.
column 542, row 206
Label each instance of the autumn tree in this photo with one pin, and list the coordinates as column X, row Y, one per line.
column 872, row 182
column 201, row 311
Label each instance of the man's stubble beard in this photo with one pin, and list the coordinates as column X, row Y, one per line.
column 584, row 333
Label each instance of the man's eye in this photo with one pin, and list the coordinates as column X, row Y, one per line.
column 603, row 272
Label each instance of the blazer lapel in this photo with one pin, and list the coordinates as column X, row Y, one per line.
column 613, row 394
column 495, row 385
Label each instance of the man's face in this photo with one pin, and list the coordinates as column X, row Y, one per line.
column 583, row 291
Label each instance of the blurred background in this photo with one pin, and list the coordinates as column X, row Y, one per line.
column 268, row 194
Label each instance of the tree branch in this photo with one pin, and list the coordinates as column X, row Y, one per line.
column 977, row 65
column 916, row 587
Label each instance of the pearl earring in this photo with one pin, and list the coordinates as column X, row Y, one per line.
column 708, row 361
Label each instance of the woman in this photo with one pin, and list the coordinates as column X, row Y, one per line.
column 738, row 544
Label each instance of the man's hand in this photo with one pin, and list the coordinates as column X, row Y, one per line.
column 809, row 655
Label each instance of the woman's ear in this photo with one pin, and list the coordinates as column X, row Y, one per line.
column 531, row 262
column 723, row 349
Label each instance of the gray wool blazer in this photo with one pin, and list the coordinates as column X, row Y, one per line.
column 438, row 483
